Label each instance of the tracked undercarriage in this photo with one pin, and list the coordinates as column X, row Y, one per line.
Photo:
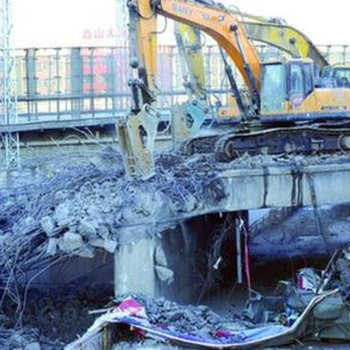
column 306, row 139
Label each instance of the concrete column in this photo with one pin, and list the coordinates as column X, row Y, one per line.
column 32, row 83
column 76, row 79
column 134, row 268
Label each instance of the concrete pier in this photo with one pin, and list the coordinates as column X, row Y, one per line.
column 134, row 268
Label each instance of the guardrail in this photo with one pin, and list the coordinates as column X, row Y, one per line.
column 75, row 83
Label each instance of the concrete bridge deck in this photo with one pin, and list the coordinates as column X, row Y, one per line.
column 244, row 189
column 286, row 186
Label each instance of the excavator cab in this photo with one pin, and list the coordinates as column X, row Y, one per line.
column 285, row 85
column 339, row 74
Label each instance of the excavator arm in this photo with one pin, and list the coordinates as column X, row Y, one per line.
column 189, row 116
column 272, row 31
column 285, row 38
column 189, row 44
column 224, row 28
column 137, row 130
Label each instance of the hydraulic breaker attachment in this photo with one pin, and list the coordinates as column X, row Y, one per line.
column 186, row 120
column 137, row 133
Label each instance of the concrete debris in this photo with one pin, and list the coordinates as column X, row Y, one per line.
column 86, row 252
column 147, row 344
column 70, row 242
column 88, row 228
column 52, row 247
column 33, row 346
column 77, row 209
column 27, row 338
column 103, row 231
column 47, row 225
column 62, row 214
column 17, row 340
column 102, row 204
column 98, row 243
column 160, row 257
column 164, row 274
column 311, row 307
column 110, row 245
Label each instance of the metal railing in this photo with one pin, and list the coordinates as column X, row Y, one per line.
column 74, row 83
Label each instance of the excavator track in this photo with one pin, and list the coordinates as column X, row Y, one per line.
column 318, row 138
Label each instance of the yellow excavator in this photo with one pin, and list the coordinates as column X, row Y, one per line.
column 190, row 115
column 289, row 113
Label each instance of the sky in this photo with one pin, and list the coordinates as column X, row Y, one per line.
column 60, row 23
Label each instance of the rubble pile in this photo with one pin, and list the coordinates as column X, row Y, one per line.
column 75, row 208
column 313, row 306
column 190, row 319
column 52, row 318
column 28, row 338
column 102, row 206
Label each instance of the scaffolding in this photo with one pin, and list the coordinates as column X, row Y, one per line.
column 8, row 89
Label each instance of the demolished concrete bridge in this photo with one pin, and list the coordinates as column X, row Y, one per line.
column 240, row 189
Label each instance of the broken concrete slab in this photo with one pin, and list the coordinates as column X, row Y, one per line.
column 164, row 274
column 160, row 257
column 33, row 346
column 110, row 245
column 86, row 252
column 48, row 226
column 70, row 242
column 103, row 231
column 88, row 228
column 98, row 243
column 62, row 214
column 52, row 247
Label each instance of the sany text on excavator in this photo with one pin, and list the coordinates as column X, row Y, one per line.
column 289, row 113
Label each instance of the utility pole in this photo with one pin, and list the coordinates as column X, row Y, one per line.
column 8, row 88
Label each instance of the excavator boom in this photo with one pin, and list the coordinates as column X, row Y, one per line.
column 134, row 132
column 283, row 93
column 285, row 38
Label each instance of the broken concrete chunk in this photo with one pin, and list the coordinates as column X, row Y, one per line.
column 87, row 228
column 190, row 204
column 160, row 257
column 98, row 243
column 70, row 242
column 103, row 231
column 164, row 274
column 92, row 210
column 25, row 226
column 59, row 197
column 17, row 340
column 110, row 245
column 52, row 247
column 29, row 221
column 48, row 226
column 62, row 214
column 33, row 346
column 86, row 252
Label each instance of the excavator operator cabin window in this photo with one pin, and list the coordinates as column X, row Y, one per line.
column 273, row 89
column 296, row 83
column 309, row 79
column 342, row 77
